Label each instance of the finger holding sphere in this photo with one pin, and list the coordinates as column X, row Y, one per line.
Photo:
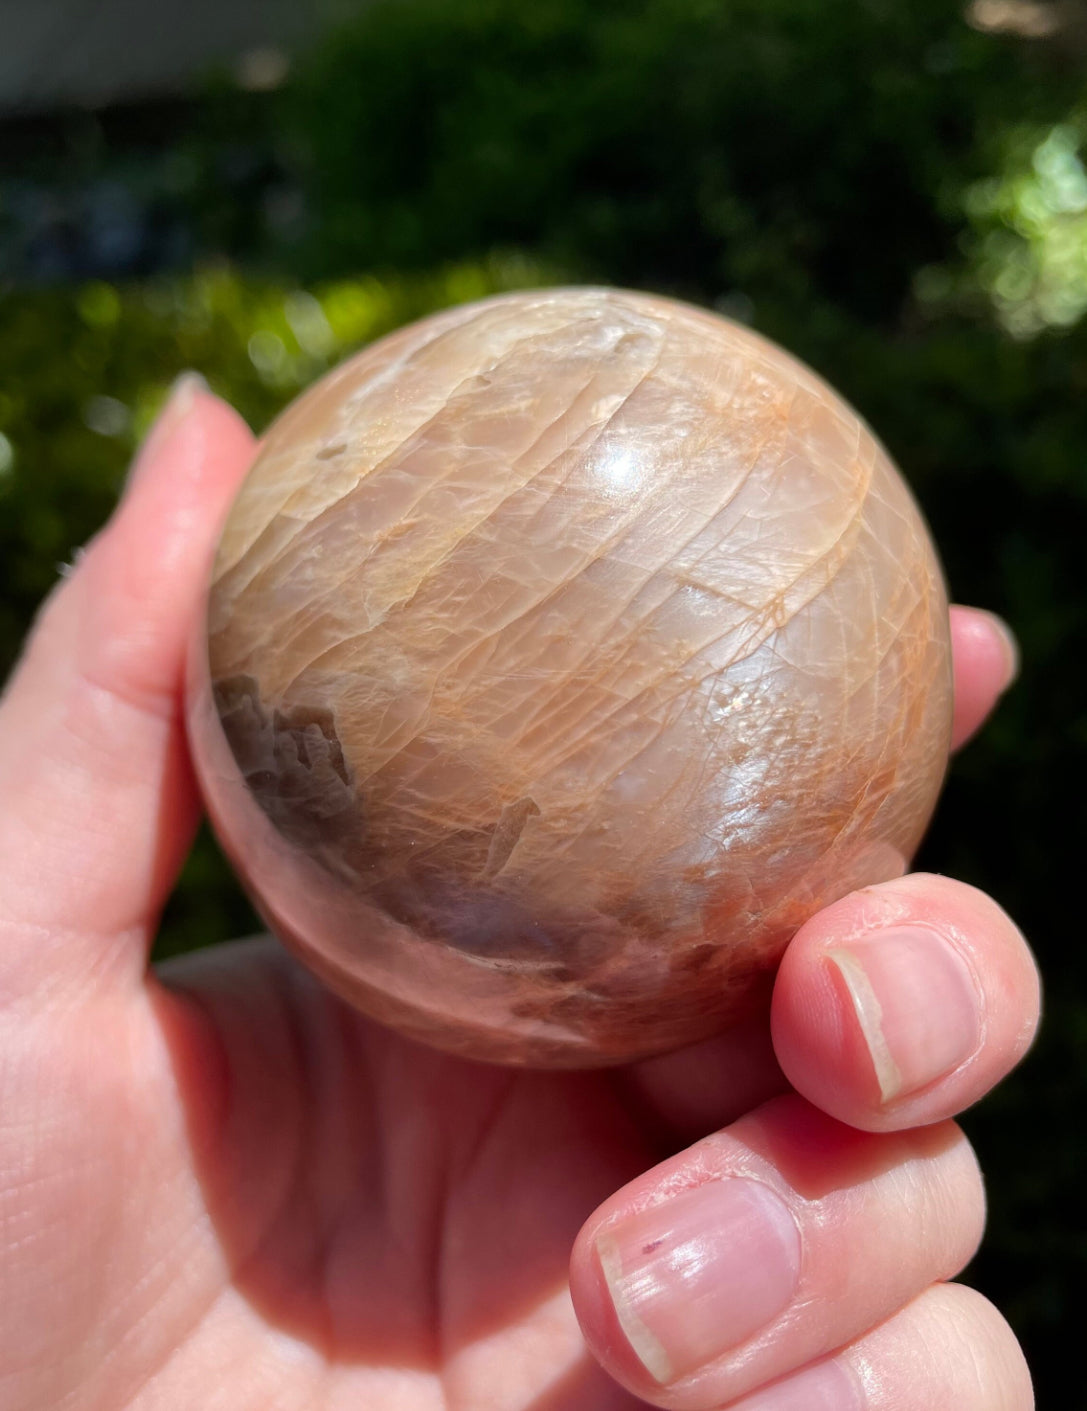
column 986, row 663
column 97, row 799
column 766, row 1247
column 904, row 1003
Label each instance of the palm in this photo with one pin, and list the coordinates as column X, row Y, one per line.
column 297, row 1204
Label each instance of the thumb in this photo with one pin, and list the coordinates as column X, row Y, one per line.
column 97, row 801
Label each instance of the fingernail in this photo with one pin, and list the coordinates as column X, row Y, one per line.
column 916, row 1005
column 179, row 402
column 700, row 1273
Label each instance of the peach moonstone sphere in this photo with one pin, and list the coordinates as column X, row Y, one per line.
column 564, row 652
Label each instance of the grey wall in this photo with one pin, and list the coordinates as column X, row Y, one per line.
column 92, row 53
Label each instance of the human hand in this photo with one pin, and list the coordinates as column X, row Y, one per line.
column 220, row 1188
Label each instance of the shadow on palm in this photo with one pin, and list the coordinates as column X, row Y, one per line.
column 387, row 1205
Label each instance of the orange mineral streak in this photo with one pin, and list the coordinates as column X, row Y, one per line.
column 565, row 652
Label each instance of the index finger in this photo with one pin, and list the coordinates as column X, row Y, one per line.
column 903, row 1004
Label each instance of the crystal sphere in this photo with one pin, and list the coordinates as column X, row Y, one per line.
column 564, row 652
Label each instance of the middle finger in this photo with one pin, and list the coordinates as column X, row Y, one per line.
column 767, row 1245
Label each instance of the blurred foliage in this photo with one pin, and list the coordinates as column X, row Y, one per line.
column 805, row 156
column 1031, row 221
column 896, row 194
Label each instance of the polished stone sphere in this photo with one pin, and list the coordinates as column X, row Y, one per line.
column 564, row 652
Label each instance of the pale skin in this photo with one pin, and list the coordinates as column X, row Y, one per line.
column 219, row 1188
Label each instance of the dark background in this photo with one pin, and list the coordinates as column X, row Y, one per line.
column 895, row 192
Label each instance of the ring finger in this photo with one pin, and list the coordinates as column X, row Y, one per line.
column 949, row 1347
